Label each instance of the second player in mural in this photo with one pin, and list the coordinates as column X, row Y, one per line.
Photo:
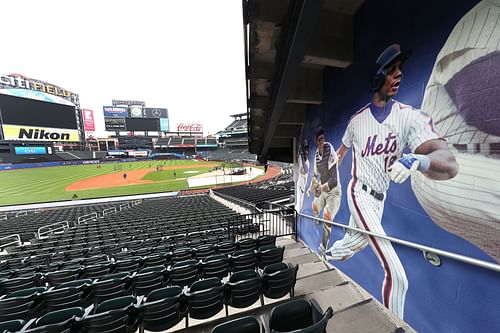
column 325, row 185
column 378, row 134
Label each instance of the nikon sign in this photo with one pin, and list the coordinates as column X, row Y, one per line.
column 20, row 132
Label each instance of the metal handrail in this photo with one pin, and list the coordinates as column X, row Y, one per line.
column 108, row 211
column 84, row 218
column 62, row 226
column 123, row 206
column 421, row 247
column 16, row 242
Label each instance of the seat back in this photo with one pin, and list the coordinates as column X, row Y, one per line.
column 247, row 324
column 8, row 286
column 163, row 309
column 278, row 280
column 291, row 316
column 148, row 281
column 266, row 240
column 62, row 298
column 205, row 298
column 12, row 325
column 215, row 266
column 58, row 277
column 268, row 255
column 184, row 273
column 298, row 316
column 247, row 244
column 243, row 289
column 117, row 321
column 226, row 247
column 242, row 260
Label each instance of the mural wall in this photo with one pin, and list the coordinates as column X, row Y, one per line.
column 407, row 144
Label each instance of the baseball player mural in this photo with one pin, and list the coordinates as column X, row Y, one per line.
column 463, row 98
column 325, row 185
column 303, row 164
column 378, row 134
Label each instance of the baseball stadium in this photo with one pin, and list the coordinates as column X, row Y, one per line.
column 306, row 212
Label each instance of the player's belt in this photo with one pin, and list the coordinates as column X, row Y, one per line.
column 377, row 195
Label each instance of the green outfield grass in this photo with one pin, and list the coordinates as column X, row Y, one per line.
column 48, row 184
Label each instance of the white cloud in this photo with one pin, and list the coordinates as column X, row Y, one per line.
column 185, row 55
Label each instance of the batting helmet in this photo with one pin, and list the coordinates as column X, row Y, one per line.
column 390, row 54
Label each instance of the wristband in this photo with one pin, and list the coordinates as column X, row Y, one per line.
column 425, row 162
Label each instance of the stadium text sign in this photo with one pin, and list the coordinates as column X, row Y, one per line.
column 187, row 127
column 19, row 81
column 20, row 132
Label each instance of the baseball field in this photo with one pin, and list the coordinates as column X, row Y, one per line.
column 93, row 181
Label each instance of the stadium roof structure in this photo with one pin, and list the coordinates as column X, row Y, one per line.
column 288, row 45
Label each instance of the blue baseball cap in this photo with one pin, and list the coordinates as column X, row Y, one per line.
column 390, row 54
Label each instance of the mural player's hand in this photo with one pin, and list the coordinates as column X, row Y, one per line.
column 403, row 168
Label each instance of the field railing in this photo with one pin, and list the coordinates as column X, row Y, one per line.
column 51, row 228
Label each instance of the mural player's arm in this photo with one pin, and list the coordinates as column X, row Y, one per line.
column 443, row 164
column 341, row 152
column 432, row 156
column 313, row 186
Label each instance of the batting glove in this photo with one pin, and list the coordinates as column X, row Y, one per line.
column 403, row 168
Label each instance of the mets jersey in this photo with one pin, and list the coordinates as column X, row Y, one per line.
column 378, row 142
column 324, row 165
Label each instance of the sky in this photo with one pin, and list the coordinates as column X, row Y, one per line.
column 184, row 55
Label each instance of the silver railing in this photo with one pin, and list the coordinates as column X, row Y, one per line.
column 10, row 240
column 428, row 251
column 107, row 211
column 88, row 217
column 48, row 229
column 124, row 206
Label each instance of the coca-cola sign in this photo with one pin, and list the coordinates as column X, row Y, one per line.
column 182, row 127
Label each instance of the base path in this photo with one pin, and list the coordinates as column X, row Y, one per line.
column 134, row 177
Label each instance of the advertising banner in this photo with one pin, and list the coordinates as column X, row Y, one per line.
column 114, row 124
column 88, row 120
column 31, row 133
column 137, row 153
column 164, row 124
column 155, row 113
column 136, row 111
column 30, row 150
column 115, row 111
column 190, row 127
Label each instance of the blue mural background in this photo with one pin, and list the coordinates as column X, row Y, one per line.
column 454, row 297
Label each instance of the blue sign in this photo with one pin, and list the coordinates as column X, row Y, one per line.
column 164, row 124
column 115, row 111
column 30, row 150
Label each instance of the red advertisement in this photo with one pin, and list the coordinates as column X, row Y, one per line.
column 188, row 127
column 88, row 120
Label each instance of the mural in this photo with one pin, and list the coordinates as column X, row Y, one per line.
column 419, row 161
